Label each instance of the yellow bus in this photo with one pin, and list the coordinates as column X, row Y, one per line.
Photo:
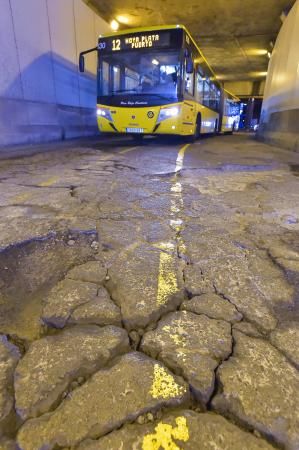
column 154, row 81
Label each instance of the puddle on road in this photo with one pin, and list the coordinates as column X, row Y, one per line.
column 28, row 271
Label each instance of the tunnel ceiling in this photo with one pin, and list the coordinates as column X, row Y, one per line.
column 231, row 33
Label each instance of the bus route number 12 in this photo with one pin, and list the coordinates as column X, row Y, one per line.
column 115, row 45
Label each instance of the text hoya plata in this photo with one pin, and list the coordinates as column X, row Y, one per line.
column 142, row 41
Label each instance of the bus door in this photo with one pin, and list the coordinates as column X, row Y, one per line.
column 189, row 109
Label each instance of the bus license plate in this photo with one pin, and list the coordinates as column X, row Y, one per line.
column 135, row 130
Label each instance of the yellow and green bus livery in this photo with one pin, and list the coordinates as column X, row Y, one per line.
column 156, row 81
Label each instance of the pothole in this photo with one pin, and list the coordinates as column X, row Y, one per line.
column 29, row 270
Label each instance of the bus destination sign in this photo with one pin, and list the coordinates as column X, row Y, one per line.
column 151, row 40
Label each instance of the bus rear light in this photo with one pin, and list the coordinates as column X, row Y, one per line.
column 103, row 112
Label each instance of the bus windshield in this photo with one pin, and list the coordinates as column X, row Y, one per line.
column 137, row 77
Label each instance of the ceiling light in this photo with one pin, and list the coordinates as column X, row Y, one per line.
column 258, row 74
column 155, row 62
column 256, row 52
column 114, row 25
column 122, row 19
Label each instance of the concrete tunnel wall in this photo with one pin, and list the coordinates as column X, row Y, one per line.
column 43, row 97
column 280, row 112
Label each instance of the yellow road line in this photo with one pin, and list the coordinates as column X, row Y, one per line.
column 110, row 155
column 167, row 277
column 49, row 182
column 166, row 435
column 21, row 198
column 127, row 150
column 164, row 385
column 167, row 281
column 180, row 158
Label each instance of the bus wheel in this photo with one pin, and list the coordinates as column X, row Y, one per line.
column 137, row 139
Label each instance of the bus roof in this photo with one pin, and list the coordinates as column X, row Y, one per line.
column 162, row 27
column 140, row 29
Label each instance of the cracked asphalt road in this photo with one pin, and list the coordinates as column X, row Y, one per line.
column 149, row 296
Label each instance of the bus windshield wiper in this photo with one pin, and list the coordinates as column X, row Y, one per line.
column 123, row 90
column 140, row 93
column 157, row 95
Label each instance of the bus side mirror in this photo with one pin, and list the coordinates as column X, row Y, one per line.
column 81, row 63
column 189, row 66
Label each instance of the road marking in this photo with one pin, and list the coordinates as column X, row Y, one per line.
column 167, row 277
column 180, row 158
column 164, row 385
column 21, row 198
column 177, row 202
column 123, row 152
column 167, row 281
column 166, row 435
column 48, row 182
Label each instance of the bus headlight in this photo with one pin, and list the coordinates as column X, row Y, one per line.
column 104, row 112
column 167, row 113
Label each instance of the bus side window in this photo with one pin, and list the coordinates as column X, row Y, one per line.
column 226, row 107
column 229, row 110
column 206, row 93
column 212, row 96
column 199, row 87
column 189, row 82
column 116, row 78
column 218, row 99
column 105, row 76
